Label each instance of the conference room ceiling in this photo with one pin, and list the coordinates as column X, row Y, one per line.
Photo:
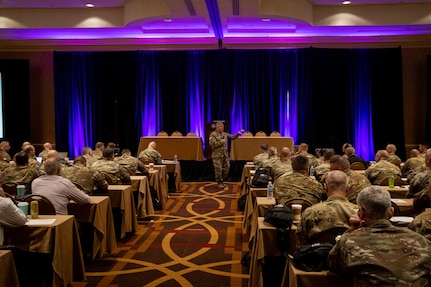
column 217, row 22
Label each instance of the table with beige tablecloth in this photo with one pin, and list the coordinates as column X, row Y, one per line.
column 158, row 182
column 243, row 186
column 99, row 214
column 245, row 148
column 8, row 275
column 249, row 206
column 144, row 205
column 397, row 191
column 60, row 238
column 186, row 148
column 174, row 168
column 122, row 197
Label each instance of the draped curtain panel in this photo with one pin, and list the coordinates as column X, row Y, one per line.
column 324, row 97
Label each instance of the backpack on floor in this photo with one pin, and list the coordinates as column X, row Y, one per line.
column 312, row 257
column 241, row 202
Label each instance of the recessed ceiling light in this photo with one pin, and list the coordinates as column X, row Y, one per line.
column 346, row 2
column 89, row 5
column 266, row 20
column 167, row 20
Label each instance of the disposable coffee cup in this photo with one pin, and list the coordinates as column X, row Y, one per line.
column 24, row 207
column 20, row 189
column 296, row 208
column 151, row 166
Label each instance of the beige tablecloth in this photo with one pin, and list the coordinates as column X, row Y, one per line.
column 245, row 178
column 158, row 182
column 249, row 207
column 122, row 197
column 397, row 191
column 60, row 238
column 174, row 168
column 99, row 213
column 8, row 275
column 245, row 148
column 186, row 148
column 145, row 206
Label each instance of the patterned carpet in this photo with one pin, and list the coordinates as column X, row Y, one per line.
column 195, row 241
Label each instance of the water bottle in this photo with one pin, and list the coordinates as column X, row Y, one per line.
column 312, row 171
column 391, row 181
column 34, row 209
column 270, row 191
column 175, row 158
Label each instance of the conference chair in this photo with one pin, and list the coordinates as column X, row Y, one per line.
column 302, row 201
column 191, row 135
column 397, row 181
column 45, row 205
column 275, row 134
column 357, row 166
column 162, row 134
column 328, row 235
column 10, row 188
column 260, row 134
column 247, row 134
column 176, row 134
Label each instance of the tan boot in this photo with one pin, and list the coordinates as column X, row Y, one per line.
column 220, row 185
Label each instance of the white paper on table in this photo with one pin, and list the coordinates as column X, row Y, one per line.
column 47, row 221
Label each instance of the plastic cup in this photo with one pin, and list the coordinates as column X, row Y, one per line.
column 296, row 208
column 151, row 166
column 20, row 189
column 24, row 207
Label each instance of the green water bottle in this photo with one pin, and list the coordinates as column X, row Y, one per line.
column 391, row 180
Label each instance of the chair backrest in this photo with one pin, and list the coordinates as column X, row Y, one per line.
column 357, row 166
column 110, row 179
column 10, row 188
column 328, row 235
column 304, row 202
column 45, row 205
column 397, row 210
column 191, row 135
column 176, row 134
column 146, row 161
column 260, row 134
column 275, row 134
column 397, row 181
column 162, row 134
column 129, row 171
column 247, row 134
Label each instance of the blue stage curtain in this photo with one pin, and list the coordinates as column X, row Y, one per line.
column 324, row 97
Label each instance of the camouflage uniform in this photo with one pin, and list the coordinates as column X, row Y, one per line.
column 150, row 154
column 413, row 163
column 422, row 224
column 418, row 190
column 132, row 163
column 219, row 154
column 321, row 169
column 90, row 159
column 97, row 154
column 21, row 175
column 281, row 167
column 4, row 165
column 311, row 159
column 382, row 169
column 44, row 154
column 357, row 182
column 85, row 177
column 298, row 185
column 382, row 255
column 260, row 158
column 393, row 158
column 334, row 212
column 118, row 173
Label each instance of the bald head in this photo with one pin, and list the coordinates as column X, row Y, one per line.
column 53, row 154
column 382, row 155
column 336, row 183
column 52, row 166
column 152, row 145
column 414, row 153
column 284, row 153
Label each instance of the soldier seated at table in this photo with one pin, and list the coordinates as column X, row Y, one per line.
column 21, row 172
column 375, row 252
column 86, row 179
column 329, row 214
column 150, row 154
column 298, row 184
column 131, row 163
column 112, row 169
column 261, row 156
column 382, row 169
